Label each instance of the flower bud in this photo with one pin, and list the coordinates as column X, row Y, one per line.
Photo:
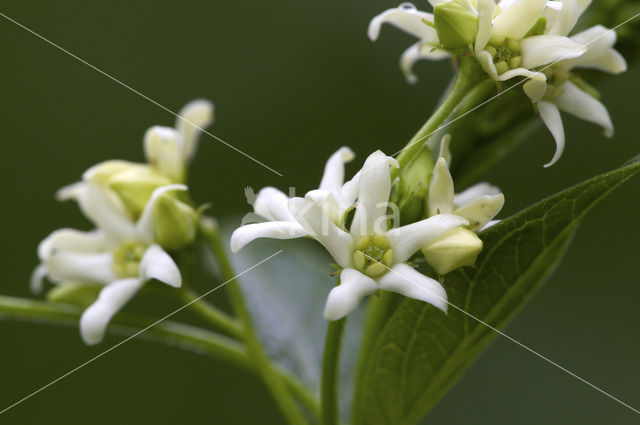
column 174, row 222
column 135, row 186
column 74, row 293
column 411, row 189
column 456, row 24
column 458, row 248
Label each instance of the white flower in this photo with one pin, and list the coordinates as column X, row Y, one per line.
column 478, row 204
column 372, row 256
column 502, row 44
column 563, row 93
column 171, row 149
column 120, row 254
column 272, row 205
column 407, row 18
column 127, row 186
column 506, row 48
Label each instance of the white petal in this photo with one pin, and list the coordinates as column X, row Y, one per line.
column 106, row 210
column 561, row 22
column 416, row 52
column 441, row 189
column 583, row 4
column 71, row 191
column 445, row 152
column 112, row 298
column 193, row 118
column 271, row 229
column 486, row 9
column 404, row 280
column 551, row 117
column 319, row 225
column 408, row 19
column 36, row 283
column 481, row 210
column 374, row 188
column 333, row 177
column 272, row 204
column 344, row 298
column 541, row 50
column 162, row 148
column 486, row 62
column 600, row 54
column 475, row 191
column 157, row 264
column 72, row 240
column 522, row 72
column 144, row 227
column 516, row 21
column 584, row 106
column 77, row 267
column 406, row 240
column 535, row 89
column 489, row 224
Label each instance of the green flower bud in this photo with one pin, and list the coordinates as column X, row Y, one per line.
column 456, row 24
column 135, row 185
column 175, row 223
column 458, row 248
column 412, row 188
column 74, row 293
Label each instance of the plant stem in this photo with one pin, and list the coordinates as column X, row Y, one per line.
column 185, row 336
column 469, row 75
column 263, row 364
column 330, row 369
column 213, row 315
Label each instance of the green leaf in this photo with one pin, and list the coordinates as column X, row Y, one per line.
column 420, row 352
column 286, row 297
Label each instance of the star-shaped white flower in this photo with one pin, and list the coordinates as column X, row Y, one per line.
column 272, row 205
column 120, row 254
column 563, row 94
column 371, row 255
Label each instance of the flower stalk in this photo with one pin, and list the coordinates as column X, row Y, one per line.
column 469, row 76
column 330, row 368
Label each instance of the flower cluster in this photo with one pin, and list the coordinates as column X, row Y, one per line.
column 517, row 38
column 357, row 225
column 138, row 216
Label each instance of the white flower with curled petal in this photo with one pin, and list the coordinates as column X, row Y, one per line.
column 272, row 205
column 411, row 20
column 565, row 93
column 511, row 43
column 369, row 250
column 120, row 254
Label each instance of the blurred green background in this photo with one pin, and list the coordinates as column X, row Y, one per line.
column 292, row 81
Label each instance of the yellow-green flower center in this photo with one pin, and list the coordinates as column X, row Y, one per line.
column 506, row 53
column 126, row 259
column 373, row 255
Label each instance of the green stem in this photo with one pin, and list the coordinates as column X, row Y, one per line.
column 185, row 336
column 263, row 364
column 219, row 319
column 330, row 369
column 469, row 75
